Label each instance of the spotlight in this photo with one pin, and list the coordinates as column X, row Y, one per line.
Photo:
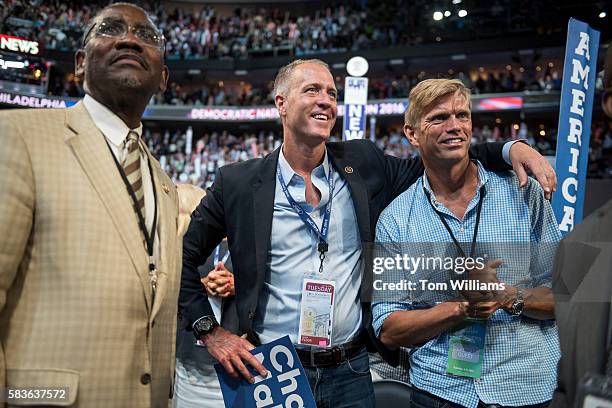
column 437, row 15
column 447, row 13
column 603, row 14
column 462, row 13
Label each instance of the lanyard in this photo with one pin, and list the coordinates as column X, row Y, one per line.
column 478, row 211
column 149, row 237
column 323, row 246
column 217, row 253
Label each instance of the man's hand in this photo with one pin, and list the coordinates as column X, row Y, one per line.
column 232, row 352
column 219, row 282
column 487, row 274
column 523, row 158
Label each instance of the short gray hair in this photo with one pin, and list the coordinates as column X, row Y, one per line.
column 281, row 82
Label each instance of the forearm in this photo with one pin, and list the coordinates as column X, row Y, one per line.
column 539, row 302
column 414, row 327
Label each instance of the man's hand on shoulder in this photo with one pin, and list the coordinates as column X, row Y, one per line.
column 232, row 352
column 523, row 158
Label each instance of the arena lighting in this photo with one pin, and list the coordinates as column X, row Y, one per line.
column 603, row 14
column 456, row 1
column 447, row 13
column 437, row 15
column 462, row 13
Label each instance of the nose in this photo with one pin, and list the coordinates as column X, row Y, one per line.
column 129, row 40
column 325, row 100
column 452, row 124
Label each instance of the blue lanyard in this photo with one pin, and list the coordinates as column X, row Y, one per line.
column 225, row 257
column 323, row 246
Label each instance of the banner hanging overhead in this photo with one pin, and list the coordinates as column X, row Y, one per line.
column 574, row 130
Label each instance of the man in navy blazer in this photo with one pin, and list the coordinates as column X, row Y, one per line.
column 246, row 199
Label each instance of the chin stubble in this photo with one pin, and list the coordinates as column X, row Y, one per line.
column 130, row 82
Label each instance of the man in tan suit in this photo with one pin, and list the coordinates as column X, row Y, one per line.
column 89, row 256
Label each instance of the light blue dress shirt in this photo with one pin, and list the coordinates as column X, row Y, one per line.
column 294, row 256
column 521, row 354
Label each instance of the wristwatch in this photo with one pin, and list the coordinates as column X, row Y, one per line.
column 204, row 326
column 517, row 307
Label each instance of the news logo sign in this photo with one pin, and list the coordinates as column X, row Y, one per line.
column 355, row 101
column 577, row 92
column 285, row 386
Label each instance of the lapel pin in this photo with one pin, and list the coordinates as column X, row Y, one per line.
column 348, row 169
column 165, row 188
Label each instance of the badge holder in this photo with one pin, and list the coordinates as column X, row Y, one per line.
column 316, row 312
column 466, row 349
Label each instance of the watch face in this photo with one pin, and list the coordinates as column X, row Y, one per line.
column 517, row 308
column 206, row 325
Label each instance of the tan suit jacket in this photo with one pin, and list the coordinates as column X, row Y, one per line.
column 76, row 305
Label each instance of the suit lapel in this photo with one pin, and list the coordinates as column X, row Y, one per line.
column 359, row 192
column 166, row 230
column 90, row 148
column 263, row 208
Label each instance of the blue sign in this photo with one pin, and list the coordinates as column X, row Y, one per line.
column 355, row 101
column 575, row 113
column 286, row 384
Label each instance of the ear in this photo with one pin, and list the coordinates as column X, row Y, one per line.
column 411, row 134
column 281, row 104
column 79, row 64
column 163, row 83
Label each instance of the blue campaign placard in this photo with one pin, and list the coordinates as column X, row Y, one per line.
column 576, row 108
column 286, row 384
column 355, row 101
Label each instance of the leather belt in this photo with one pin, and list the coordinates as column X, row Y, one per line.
column 330, row 357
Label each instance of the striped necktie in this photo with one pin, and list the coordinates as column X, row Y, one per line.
column 131, row 167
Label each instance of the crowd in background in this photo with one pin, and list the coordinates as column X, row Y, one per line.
column 249, row 31
column 211, row 150
column 218, row 93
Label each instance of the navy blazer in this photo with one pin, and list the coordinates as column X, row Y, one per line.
column 240, row 205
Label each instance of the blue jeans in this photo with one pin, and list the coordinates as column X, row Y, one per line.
column 422, row 399
column 348, row 385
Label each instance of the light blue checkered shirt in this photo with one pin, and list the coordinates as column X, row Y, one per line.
column 521, row 354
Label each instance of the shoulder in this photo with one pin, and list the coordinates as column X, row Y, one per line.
column 353, row 146
column 397, row 212
column 31, row 118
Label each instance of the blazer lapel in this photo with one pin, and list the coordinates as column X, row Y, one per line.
column 92, row 152
column 359, row 192
column 166, row 230
column 263, row 208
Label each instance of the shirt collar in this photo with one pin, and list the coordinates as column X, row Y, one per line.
column 111, row 125
column 288, row 173
column 483, row 177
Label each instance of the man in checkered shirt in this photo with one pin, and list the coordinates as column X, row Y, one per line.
column 460, row 208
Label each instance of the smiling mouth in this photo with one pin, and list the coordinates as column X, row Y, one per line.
column 452, row 141
column 321, row 116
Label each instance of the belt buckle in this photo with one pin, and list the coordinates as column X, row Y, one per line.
column 338, row 354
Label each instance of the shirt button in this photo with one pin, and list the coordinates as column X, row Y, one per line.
column 145, row 379
column 462, row 229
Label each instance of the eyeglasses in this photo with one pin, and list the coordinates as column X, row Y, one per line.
column 119, row 29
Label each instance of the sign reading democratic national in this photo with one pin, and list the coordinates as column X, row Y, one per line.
column 575, row 113
column 285, row 386
column 355, row 101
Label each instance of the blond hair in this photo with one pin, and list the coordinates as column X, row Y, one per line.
column 189, row 197
column 283, row 78
column 426, row 92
